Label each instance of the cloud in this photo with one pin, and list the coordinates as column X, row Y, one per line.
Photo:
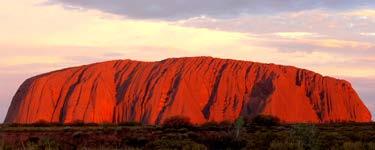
column 368, row 34
column 295, row 35
column 21, row 60
column 325, row 23
column 305, row 31
column 180, row 9
column 363, row 13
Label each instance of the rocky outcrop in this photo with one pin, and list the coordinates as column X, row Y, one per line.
column 202, row 88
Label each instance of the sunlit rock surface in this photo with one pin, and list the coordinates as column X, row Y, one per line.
column 201, row 88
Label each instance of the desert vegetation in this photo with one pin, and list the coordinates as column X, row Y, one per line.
column 261, row 132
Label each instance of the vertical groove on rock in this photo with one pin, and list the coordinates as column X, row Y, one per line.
column 59, row 98
column 122, row 88
column 171, row 96
column 211, row 100
column 260, row 93
column 69, row 94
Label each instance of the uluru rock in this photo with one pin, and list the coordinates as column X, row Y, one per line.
column 201, row 88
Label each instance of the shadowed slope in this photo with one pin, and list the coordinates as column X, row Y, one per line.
column 202, row 88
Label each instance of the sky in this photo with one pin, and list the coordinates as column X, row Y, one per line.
column 332, row 37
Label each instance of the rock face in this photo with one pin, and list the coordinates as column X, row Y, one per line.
column 202, row 88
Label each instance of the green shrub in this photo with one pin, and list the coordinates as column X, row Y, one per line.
column 260, row 140
column 239, row 123
column 209, row 124
column 276, row 145
column 34, row 143
column 31, row 146
column 353, row 146
column 48, row 144
column 225, row 124
column 305, row 134
column 221, row 140
column 175, row 144
column 106, row 125
column 266, row 120
column 79, row 135
column 4, row 146
column 135, row 141
column 334, row 138
column 371, row 146
column 177, row 122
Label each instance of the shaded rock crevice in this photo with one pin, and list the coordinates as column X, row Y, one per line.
column 211, row 100
column 69, row 94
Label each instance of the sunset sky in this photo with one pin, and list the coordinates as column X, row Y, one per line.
column 332, row 37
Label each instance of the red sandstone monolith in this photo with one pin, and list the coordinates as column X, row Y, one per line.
column 201, row 88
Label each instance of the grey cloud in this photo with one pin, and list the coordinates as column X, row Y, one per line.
column 323, row 22
column 288, row 46
column 182, row 9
